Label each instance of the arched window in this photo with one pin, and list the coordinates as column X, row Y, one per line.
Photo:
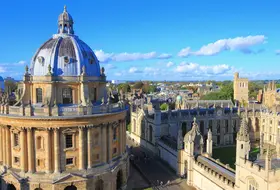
column 115, row 133
column 38, row 188
column 143, row 128
column 119, row 179
column 134, row 125
column 39, row 143
column 39, row 95
column 201, row 127
column 71, row 187
column 184, row 129
column 150, row 133
column 99, row 184
column 11, row 187
column 257, row 125
column 218, row 126
column 67, row 96
column 250, row 124
column 96, row 139
column 252, row 184
column 210, row 125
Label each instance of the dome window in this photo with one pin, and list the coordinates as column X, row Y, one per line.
column 66, row 60
column 41, row 60
column 91, row 61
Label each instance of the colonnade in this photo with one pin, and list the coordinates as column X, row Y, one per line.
column 26, row 149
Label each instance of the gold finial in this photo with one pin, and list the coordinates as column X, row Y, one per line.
column 65, row 8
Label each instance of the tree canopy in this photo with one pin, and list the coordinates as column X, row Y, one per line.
column 226, row 93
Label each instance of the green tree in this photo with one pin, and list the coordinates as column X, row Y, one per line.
column 125, row 87
column 164, row 106
column 226, row 93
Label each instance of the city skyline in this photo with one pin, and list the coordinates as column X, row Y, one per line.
column 153, row 40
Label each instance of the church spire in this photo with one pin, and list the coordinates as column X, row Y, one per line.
column 243, row 133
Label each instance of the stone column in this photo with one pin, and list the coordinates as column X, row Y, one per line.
column 81, row 149
column 90, row 147
column 110, row 138
column 104, row 143
column 8, row 148
column 1, row 145
column 57, row 168
column 124, row 135
column 23, row 151
column 120, row 137
column 30, row 150
column 48, row 148
column 4, row 144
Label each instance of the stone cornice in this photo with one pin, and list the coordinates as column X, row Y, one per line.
column 61, row 122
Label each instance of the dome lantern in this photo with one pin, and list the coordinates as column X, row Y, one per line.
column 65, row 23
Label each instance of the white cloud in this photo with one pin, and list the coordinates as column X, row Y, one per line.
column 239, row 43
column 134, row 70
column 169, row 64
column 110, row 66
column 164, row 56
column 118, row 74
column 22, row 63
column 202, row 70
column 102, row 56
column 108, row 57
column 2, row 69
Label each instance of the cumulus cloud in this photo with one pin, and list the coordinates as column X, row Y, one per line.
column 196, row 69
column 242, row 44
column 169, row 64
column 104, row 57
column 22, row 63
column 164, row 56
column 134, row 70
column 110, row 66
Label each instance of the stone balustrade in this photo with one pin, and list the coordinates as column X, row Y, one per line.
column 61, row 110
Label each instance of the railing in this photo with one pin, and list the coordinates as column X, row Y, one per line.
column 61, row 110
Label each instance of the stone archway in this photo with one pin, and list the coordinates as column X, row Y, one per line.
column 71, row 187
column 11, row 187
column 99, row 184
column 119, row 179
column 38, row 188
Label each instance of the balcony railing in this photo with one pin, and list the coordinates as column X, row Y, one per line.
column 61, row 110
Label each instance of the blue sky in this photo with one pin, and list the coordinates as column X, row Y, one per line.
column 153, row 40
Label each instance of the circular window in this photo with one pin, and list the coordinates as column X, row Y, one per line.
column 66, row 60
column 41, row 60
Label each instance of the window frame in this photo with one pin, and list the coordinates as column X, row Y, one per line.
column 39, row 99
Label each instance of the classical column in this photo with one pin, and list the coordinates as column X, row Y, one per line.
column 48, row 148
column 120, row 139
column 22, row 150
column 30, row 151
column 124, row 135
column 8, row 148
column 4, row 145
column 90, row 147
column 56, row 151
column 104, row 143
column 110, row 139
column 81, row 149
column 1, row 146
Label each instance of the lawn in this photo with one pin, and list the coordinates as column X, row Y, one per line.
column 226, row 155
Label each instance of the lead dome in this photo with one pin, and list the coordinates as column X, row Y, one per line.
column 65, row 53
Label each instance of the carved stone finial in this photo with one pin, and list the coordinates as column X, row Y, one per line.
column 83, row 70
column 26, row 69
column 50, row 69
column 102, row 71
column 102, row 100
column 65, row 8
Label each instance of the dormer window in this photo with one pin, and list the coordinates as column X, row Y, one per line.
column 41, row 60
column 66, row 60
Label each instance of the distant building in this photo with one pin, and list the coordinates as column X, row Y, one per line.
column 240, row 87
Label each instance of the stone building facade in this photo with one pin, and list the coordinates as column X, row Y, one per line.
column 63, row 132
column 240, row 87
column 188, row 148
